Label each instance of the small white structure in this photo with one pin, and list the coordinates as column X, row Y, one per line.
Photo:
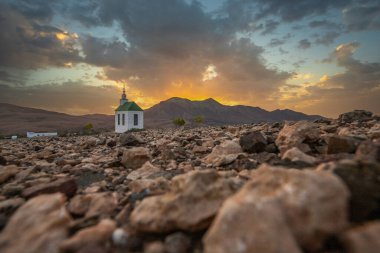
column 33, row 134
column 128, row 115
column 14, row 137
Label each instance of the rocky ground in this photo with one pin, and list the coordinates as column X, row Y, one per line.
column 265, row 188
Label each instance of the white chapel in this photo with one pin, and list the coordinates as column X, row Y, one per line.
column 128, row 115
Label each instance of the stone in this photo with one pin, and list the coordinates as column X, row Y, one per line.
column 253, row 142
column 38, row 226
column 368, row 151
column 8, row 172
column 120, row 237
column 177, row 243
column 95, row 235
column 130, row 139
column 155, row 247
column 286, row 207
column 294, row 135
column 10, row 205
column 155, row 186
column 341, row 144
column 200, row 149
column 355, row 115
column 111, row 143
column 296, row 155
column 134, row 158
column 363, row 181
column 93, row 204
column 362, row 239
column 144, row 172
column 191, row 204
column 243, row 227
column 224, row 154
column 3, row 161
column 67, row 186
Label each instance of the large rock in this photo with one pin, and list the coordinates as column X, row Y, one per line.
column 368, row 151
column 278, row 209
column 93, row 204
column 341, row 144
column 95, row 235
column 253, row 142
column 363, row 239
column 224, row 154
column 130, row 139
column 8, row 172
column 363, row 181
column 67, row 186
column 294, row 135
column 355, row 115
column 134, row 158
column 38, row 226
column 144, row 172
column 296, row 155
column 194, row 199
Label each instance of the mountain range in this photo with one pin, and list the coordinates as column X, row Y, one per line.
column 17, row 119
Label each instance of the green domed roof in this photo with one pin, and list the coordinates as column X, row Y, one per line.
column 129, row 106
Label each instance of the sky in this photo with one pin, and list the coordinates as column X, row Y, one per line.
column 318, row 57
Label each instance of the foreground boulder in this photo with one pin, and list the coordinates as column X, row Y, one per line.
column 95, row 235
column 363, row 181
column 8, row 172
column 296, row 134
column 38, row 226
column 192, row 203
column 365, row 238
column 279, row 209
column 93, row 204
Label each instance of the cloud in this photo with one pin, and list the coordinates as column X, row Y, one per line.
column 363, row 15
column 358, row 86
column 170, row 44
column 327, row 39
column 28, row 44
column 325, row 24
column 304, row 44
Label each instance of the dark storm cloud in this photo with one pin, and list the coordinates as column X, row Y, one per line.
column 28, row 44
column 304, row 44
column 102, row 53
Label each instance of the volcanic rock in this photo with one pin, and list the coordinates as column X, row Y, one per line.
column 8, row 172
column 224, row 154
column 144, row 172
column 296, row 155
column 194, row 199
column 365, row 238
column 253, row 142
column 341, row 144
column 296, row 134
column 283, row 206
column 134, row 158
column 65, row 185
column 37, row 227
column 95, row 235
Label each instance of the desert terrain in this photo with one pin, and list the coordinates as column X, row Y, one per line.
column 305, row 186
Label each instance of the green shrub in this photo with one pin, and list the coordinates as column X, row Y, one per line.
column 179, row 121
column 199, row 119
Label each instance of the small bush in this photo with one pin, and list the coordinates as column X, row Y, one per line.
column 179, row 121
column 199, row 119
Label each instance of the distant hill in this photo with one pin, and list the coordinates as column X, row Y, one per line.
column 215, row 113
column 17, row 119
